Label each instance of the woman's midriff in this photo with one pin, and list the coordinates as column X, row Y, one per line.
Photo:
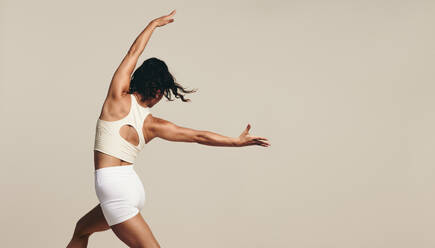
column 102, row 160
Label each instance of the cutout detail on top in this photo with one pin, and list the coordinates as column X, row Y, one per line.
column 129, row 133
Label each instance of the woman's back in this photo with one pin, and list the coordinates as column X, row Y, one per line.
column 119, row 135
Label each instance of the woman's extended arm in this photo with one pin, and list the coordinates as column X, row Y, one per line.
column 157, row 127
column 121, row 79
column 141, row 41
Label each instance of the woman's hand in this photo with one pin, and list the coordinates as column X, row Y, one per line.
column 163, row 20
column 246, row 140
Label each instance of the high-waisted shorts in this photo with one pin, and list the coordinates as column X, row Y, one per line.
column 120, row 192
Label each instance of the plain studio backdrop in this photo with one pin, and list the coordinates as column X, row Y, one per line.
column 344, row 91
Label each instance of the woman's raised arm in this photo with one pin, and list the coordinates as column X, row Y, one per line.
column 121, row 79
column 139, row 44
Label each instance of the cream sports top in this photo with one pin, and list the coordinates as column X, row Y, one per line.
column 109, row 141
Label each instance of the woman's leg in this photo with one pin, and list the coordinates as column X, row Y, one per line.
column 91, row 222
column 135, row 233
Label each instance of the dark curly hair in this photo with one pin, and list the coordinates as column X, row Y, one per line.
column 153, row 75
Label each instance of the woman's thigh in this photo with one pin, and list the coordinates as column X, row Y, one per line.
column 135, row 232
column 92, row 222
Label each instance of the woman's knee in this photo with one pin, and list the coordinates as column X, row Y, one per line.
column 80, row 229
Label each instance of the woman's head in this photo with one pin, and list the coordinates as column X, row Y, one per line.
column 153, row 80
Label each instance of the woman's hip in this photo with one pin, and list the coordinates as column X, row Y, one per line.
column 118, row 182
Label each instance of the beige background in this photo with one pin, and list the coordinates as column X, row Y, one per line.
column 344, row 90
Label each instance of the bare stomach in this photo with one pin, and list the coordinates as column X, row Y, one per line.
column 102, row 160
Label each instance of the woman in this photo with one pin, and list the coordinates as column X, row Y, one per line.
column 124, row 126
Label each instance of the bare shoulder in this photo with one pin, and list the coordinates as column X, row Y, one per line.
column 115, row 107
column 154, row 122
column 149, row 127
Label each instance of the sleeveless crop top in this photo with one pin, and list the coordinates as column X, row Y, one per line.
column 109, row 141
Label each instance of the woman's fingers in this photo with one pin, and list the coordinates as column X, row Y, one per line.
column 259, row 138
column 263, row 143
column 246, row 130
column 253, row 140
column 163, row 20
column 170, row 16
column 172, row 13
column 259, row 141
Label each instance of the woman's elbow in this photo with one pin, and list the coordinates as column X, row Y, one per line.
column 200, row 137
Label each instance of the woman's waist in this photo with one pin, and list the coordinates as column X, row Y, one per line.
column 116, row 169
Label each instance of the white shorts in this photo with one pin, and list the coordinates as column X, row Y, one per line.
column 120, row 192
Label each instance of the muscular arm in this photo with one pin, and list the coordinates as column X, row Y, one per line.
column 141, row 41
column 169, row 131
column 121, row 78
column 215, row 139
